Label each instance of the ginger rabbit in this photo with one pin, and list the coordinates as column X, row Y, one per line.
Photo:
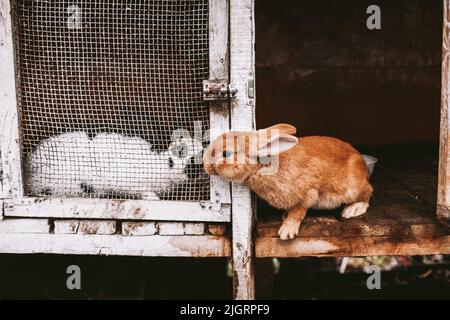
column 293, row 174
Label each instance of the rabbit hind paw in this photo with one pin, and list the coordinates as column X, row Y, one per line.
column 354, row 210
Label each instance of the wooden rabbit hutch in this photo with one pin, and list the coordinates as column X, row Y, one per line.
column 78, row 77
column 130, row 74
column 328, row 74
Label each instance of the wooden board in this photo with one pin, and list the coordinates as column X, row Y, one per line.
column 24, row 226
column 400, row 220
column 9, row 124
column 115, row 209
column 138, row 228
column 354, row 246
column 443, row 199
column 219, row 63
column 1, row 188
column 154, row 246
column 85, row 227
column 242, row 59
column 372, row 227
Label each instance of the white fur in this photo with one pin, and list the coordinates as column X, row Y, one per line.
column 109, row 163
column 289, row 229
column 354, row 210
column 56, row 166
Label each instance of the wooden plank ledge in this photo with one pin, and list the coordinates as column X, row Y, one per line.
column 401, row 219
column 154, row 246
column 352, row 246
column 213, row 246
column 365, row 236
column 87, row 208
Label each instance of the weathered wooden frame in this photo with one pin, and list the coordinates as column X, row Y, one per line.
column 232, row 58
column 115, row 209
column 217, row 209
column 443, row 197
column 219, row 68
column 242, row 71
column 235, row 48
column 150, row 246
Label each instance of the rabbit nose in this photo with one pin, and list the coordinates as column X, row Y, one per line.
column 209, row 168
column 194, row 170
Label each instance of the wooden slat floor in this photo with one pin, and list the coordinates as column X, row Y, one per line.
column 400, row 221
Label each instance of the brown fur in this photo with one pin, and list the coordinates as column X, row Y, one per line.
column 318, row 172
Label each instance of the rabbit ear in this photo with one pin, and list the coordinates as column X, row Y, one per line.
column 276, row 144
column 282, row 128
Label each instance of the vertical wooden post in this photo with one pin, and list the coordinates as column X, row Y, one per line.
column 242, row 73
column 1, row 188
column 443, row 197
column 9, row 128
column 219, row 69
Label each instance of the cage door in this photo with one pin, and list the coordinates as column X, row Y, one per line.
column 109, row 112
column 219, row 65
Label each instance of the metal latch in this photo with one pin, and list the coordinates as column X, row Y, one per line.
column 217, row 89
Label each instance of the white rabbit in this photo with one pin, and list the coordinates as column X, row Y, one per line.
column 127, row 165
column 115, row 164
column 59, row 165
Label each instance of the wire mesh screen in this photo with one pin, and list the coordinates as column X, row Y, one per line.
column 110, row 97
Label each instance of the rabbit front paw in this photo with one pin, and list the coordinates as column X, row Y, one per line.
column 150, row 196
column 289, row 229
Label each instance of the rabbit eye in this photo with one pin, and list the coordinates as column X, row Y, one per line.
column 180, row 151
column 227, row 154
column 171, row 164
